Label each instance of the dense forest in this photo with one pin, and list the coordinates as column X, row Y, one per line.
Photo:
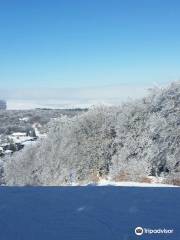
column 130, row 142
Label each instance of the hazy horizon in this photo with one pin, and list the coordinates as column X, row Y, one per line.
column 70, row 97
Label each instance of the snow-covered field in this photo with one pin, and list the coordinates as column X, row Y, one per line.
column 104, row 182
column 155, row 182
column 87, row 213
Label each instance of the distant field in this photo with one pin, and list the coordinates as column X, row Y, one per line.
column 26, row 125
column 19, row 120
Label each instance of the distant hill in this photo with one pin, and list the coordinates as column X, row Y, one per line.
column 130, row 142
column 3, row 105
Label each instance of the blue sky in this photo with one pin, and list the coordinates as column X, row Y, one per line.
column 88, row 43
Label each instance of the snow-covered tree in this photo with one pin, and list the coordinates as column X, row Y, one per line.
column 136, row 139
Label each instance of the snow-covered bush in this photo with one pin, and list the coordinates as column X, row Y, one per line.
column 173, row 179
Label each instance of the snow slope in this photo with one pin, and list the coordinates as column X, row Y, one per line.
column 87, row 213
column 104, row 182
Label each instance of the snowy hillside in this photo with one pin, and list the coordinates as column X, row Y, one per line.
column 87, row 213
column 131, row 142
column 105, row 182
